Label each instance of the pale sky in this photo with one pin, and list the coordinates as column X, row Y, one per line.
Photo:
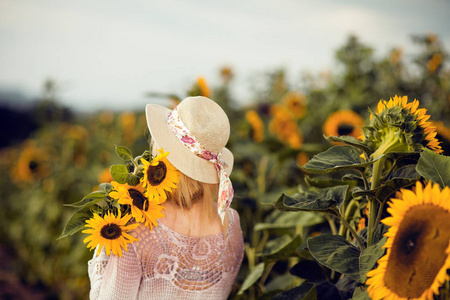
column 109, row 53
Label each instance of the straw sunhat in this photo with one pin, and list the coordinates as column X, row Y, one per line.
column 207, row 122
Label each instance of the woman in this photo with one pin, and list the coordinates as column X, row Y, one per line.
column 196, row 250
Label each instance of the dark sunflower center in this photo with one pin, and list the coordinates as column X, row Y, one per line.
column 111, row 231
column 33, row 165
column 345, row 129
column 418, row 251
column 138, row 199
column 157, row 174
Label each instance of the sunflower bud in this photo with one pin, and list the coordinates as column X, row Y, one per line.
column 399, row 126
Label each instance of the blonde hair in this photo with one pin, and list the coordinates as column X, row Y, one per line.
column 190, row 191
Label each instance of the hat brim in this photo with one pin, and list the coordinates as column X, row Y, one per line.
column 179, row 155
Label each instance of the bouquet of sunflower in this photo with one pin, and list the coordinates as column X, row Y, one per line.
column 135, row 196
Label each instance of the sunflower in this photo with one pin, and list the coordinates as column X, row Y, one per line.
column 302, row 158
column 105, row 176
column 227, row 74
column 285, row 127
column 343, row 122
column 434, row 63
column 33, row 164
column 160, row 176
column 441, row 130
column 296, row 104
column 399, row 126
column 142, row 210
column 443, row 134
column 256, row 124
column 431, row 37
column 110, row 231
column 203, row 86
column 128, row 120
column 418, row 250
column 79, row 136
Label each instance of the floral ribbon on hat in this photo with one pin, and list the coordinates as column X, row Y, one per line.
column 180, row 130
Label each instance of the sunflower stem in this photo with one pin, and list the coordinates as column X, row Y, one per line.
column 137, row 167
column 364, row 177
column 350, row 228
column 376, row 176
column 263, row 241
column 265, row 275
column 354, row 233
column 380, row 212
column 349, row 211
column 390, row 170
column 331, row 223
column 261, row 178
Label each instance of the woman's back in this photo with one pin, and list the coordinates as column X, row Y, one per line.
column 165, row 264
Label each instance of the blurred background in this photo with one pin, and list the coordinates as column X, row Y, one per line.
column 75, row 78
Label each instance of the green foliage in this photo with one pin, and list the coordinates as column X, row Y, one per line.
column 252, row 277
column 119, row 173
column 76, row 222
column 336, row 253
column 306, row 291
column 349, row 140
column 335, row 159
column 282, row 248
column 123, row 152
column 434, row 167
column 88, row 200
column 324, row 200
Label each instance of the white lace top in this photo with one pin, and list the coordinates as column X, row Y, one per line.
column 165, row 264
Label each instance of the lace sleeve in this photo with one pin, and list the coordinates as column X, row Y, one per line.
column 96, row 268
column 114, row 277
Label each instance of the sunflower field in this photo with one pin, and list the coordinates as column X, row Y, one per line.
column 342, row 180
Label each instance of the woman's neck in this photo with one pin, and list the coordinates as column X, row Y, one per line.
column 193, row 222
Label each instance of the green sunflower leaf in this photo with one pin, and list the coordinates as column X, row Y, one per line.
column 119, row 173
column 369, row 257
column 306, row 291
column 89, row 199
column 76, row 222
column 123, row 152
column 360, row 293
column 133, row 180
column 313, row 200
column 434, row 167
column 252, row 277
column 282, row 248
column 319, row 182
column 106, row 187
column 335, row 159
column 284, row 220
column 351, row 141
column 336, row 253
